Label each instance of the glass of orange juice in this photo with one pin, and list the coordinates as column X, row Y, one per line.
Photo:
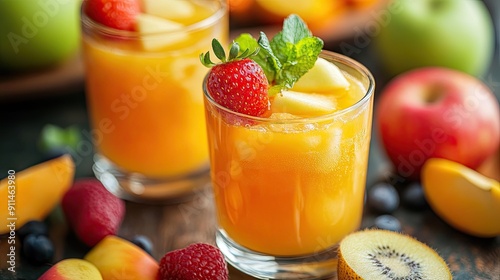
column 288, row 188
column 144, row 98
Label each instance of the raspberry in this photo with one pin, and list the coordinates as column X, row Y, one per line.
column 198, row 261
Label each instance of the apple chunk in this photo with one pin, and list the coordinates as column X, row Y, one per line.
column 324, row 77
column 159, row 32
column 462, row 197
column 303, row 104
column 169, row 9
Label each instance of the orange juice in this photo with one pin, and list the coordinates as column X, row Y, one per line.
column 292, row 185
column 144, row 93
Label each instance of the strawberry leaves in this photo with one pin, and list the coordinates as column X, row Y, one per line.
column 287, row 56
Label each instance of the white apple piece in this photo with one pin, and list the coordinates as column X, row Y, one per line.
column 154, row 26
column 305, row 104
column 324, row 77
column 169, row 9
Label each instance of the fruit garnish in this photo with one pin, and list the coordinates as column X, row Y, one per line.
column 464, row 198
column 198, row 261
column 303, row 104
column 258, row 69
column 92, row 211
column 153, row 25
column 171, row 9
column 382, row 254
column 287, row 56
column 324, row 77
column 40, row 186
column 118, row 14
column 238, row 83
column 72, row 269
column 118, row 259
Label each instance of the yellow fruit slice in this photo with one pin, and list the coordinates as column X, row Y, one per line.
column 169, row 9
column 382, row 254
column 155, row 27
column 32, row 193
column 302, row 104
column 117, row 258
column 324, row 77
column 462, row 197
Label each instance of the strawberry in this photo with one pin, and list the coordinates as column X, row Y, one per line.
column 92, row 211
column 238, row 83
column 198, row 261
column 118, row 14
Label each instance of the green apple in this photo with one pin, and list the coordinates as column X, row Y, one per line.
column 457, row 34
column 37, row 33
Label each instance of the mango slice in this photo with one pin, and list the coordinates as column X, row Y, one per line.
column 464, row 198
column 302, row 104
column 153, row 26
column 32, row 193
column 324, row 77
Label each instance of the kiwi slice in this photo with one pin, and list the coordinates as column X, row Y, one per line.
column 382, row 254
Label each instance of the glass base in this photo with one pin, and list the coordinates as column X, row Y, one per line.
column 321, row 265
column 138, row 188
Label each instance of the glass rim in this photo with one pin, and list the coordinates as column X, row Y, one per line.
column 87, row 22
column 324, row 53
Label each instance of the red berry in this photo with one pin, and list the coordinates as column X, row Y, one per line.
column 198, row 261
column 240, row 86
column 118, row 14
column 92, row 211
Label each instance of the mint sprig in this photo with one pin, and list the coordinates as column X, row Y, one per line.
column 287, row 56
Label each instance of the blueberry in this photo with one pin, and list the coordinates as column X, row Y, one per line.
column 412, row 196
column 382, row 198
column 387, row 222
column 144, row 243
column 33, row 227
column 38, row 249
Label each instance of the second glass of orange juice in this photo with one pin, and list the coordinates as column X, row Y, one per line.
column 145, row 102
column 289, row 187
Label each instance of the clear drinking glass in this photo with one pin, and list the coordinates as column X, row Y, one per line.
column 288, row 190
column 145, row 102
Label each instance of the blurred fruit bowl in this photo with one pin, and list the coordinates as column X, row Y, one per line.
column 328, row 19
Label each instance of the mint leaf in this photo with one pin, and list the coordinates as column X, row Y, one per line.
column 287, row 56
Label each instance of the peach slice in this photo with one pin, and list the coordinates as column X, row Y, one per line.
column 117, row 258
column 305, row 104
column 72, row 269
column 32, row 193
column 324, row 77
column 464, row 198
column 160, row 32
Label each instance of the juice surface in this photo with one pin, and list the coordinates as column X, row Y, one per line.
column 291, row 189
column 147, row 105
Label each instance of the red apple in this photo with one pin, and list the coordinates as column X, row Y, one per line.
column 437, row 112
